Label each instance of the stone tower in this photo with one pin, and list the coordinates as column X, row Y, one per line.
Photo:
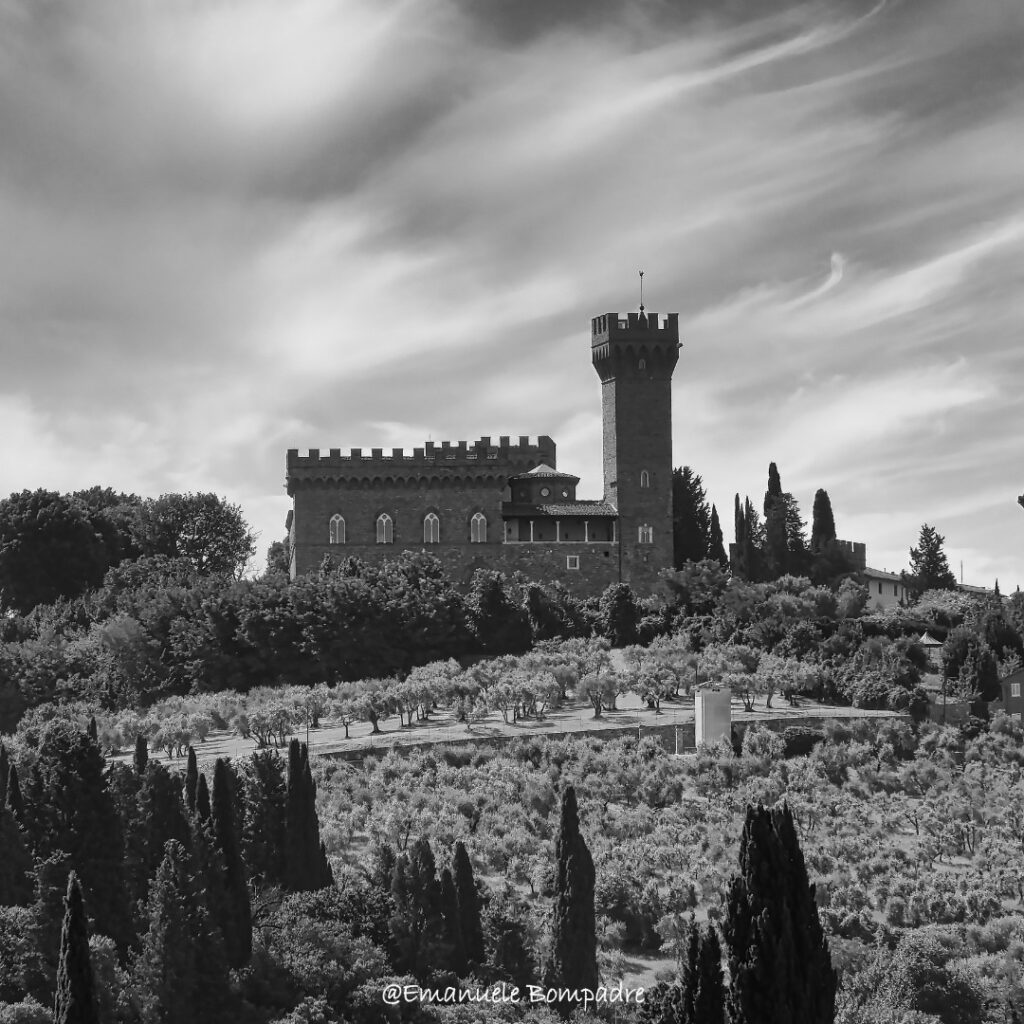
column 634, row 355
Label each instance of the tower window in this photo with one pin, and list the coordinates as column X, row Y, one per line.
column 642, row 365
column 385, row 529
column 337, row 529
column 645, row 478
column 645, row 534
column 572, row 561
column 431, row 529
column 478, row 529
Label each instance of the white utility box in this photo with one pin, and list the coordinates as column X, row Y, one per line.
column 712, row 714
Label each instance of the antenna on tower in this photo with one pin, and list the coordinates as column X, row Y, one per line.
column 641, row 291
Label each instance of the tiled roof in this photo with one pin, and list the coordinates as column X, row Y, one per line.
column 593, row 509
column 878, row 574
column 546, row 471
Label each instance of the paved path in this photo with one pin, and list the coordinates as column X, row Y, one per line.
column 575, row 718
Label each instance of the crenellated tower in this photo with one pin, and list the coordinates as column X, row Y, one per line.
column 635, row 354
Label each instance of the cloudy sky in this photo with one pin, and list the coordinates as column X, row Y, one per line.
column 232, row 227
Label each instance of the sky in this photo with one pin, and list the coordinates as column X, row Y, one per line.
column 235, row 227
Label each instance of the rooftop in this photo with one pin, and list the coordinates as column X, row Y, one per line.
column 544, row 470
column 590, row 509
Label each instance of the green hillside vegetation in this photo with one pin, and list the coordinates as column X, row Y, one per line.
column 860, row 871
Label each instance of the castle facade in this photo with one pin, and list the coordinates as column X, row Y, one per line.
column 506, row 505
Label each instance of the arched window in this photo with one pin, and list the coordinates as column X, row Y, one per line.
column 431, row 529
column 646, row 534
column 642, row 365
column 337, row 535
column 385, row 529
column 645, row 478
column 478, row 529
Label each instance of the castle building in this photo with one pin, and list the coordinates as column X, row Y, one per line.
column 507, row 506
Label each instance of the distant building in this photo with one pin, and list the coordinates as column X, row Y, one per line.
column 1013, row 694
column 933, row 648
column 504, row 505
column 885, row 589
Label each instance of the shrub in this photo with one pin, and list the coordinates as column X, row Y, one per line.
column 764, row 743
column 799, row 740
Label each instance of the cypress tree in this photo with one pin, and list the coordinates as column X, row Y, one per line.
column 141, row 758
column 452, row 923
column 158, row 816
column 306, row 867
column 507, row 924
column 716, row 544
column 779, row 964
column 14, row 802
column 823, row 524
column 48, row 910
column 5, row 767
column 191, row 782
column 470, row 923
column 418, row 940
column 93, row 731
column 75, row 1001
column 690, row 977
column 180, row 975
column 237, row 923
column 15, row 862
column 81, row 820
column 708, row 994
column 202, row 800
column 263, row 818
column 320, row 868
column 776, row 543
column 691, row 517
column 382, row 865
column 572, row 961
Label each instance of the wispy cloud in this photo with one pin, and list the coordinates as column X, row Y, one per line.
column 237, row 228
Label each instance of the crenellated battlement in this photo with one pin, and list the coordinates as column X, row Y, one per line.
column 855, row 552
column 433, row 456
column 635, row 327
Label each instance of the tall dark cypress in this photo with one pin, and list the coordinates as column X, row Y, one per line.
column 202, row 800
column 306, row 868
column 452, row 924
column 572, row 962
column 823, row 524
column 779, row 964
column 14, row 800
column 75, row 1001
column 776, row 543
column 469, row 906
column 262, row 810
column 418, row 941
column 158, row 816
column 92, row 731
column 690, row 975
column 141, row 758
column 81, row 819
column 191, row 782
column 716, row 542
column 708, row 993
column 15, row 862
column 237, row 923
column 319, row 866
column 180, row 975
column 5, row 767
